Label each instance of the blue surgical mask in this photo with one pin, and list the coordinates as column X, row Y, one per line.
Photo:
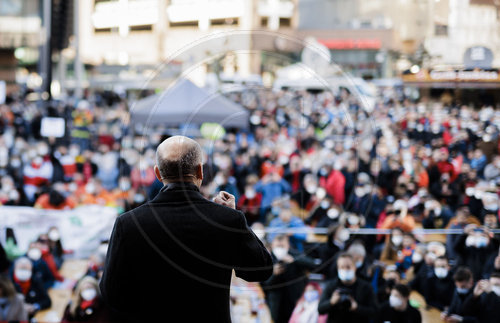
column 359, row 263
column 462, row 290
column 276, row 210
column 311, row 296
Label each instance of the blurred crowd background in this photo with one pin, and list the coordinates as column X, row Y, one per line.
column 308, row 161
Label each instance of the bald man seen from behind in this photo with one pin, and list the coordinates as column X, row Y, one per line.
column 171, row 259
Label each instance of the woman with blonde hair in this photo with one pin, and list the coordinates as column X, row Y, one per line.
column 11, row 303
column 86, row 303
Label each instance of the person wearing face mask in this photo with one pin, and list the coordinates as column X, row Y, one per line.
column 40, row 267
column 484, row 303
column 35, row 296
column 337, row 240
column 86, row 304
column 306, row 310
column 249, row 204
column 11, row 303
column 463, row 289
column 474, row 248
column 361, row 261
column 55, row 246
column 288, row 281
column 47, row 256
column 460, row 221
column 347, row 298
column 319, row 217
column 286, row 220
column 393, row 244
column 386, row 283
column 441, row 284
column 398, row 308
column 405, row 255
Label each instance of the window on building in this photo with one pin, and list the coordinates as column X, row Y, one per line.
column 224, row 22
column 184, row 24
column 141, row 28
column 285, row 22
column 440, row 30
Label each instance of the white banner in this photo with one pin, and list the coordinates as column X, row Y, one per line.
column 81, row 229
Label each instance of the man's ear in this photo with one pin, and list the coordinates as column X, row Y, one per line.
column 199, row 172
column 157, row 173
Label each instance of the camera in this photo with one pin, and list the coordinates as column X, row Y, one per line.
column 345, row 299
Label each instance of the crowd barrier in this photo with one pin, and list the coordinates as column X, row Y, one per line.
column 363, row 231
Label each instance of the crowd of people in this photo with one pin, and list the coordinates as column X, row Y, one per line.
column 307, row 161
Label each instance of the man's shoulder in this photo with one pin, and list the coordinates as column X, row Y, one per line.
column 215, row 211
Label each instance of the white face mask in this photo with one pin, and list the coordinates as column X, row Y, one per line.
column 90, row 188
column 359, row 191
column 23, row 274
column 311, row 189
column 124, row 186
column 470, row 241
column 54, row 235
column 395, row 301
column 325, row 204
column 353, row 220
column 346, row 275
column 280, row 252
column 88, row 294
column 441, row 272
column 397, row 240
column 332, row 213
column 250, row 193
column 416, row 257
column 344, row 235
column 34, row 254
column 495, row 289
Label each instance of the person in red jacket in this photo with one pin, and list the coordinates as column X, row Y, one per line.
column 335, row 184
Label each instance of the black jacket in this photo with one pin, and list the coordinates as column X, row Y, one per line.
column 440, row 291
column 36, row 294
column 456, row 306
column 389, row 314
column 475, row 258
column 284, row 290
column 173, row 258
column 486, row 307
column 362, row 293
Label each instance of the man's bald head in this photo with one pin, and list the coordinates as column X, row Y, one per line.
column 179, row 158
